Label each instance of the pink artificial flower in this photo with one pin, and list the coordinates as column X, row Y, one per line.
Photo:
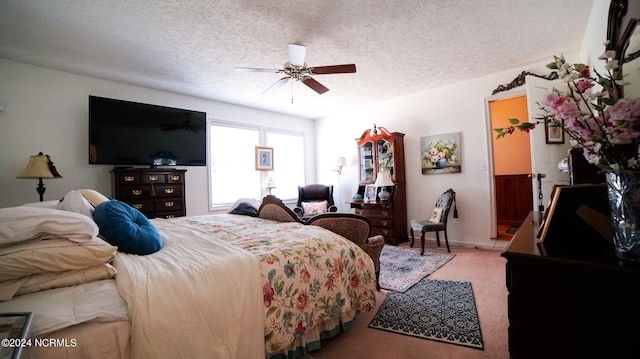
column 625, row 109
column 584, row 85
column 553, row 100
column 585, row 71
column 568, row 111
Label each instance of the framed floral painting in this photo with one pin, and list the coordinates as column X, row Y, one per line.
column 441, row 153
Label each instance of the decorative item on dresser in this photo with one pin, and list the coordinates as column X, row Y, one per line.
column 381, row 151
column 154, row 192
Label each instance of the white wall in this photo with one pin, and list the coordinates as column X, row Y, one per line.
column 47, row 110
column 459, row 107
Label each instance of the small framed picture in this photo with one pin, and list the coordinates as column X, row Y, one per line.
column 370, row 193
column 368, row 163
column 553, row 133
column 264, row 158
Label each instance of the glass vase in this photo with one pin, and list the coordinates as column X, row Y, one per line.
column 624, row 203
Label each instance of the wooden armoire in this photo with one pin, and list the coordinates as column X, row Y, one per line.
column 381, row 151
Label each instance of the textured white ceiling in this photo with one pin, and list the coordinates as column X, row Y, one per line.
column 189, row 46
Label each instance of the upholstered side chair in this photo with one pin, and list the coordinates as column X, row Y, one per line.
column 438, row 220
column 272, row 208
column 314, row 199
column 355, row 228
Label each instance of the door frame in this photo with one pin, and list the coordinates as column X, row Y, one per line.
column 517, row 92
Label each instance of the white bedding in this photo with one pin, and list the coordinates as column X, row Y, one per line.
column 223, row 314
column 64, row 307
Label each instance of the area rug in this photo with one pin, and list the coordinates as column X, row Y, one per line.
column 441, row 310
column 401, row 268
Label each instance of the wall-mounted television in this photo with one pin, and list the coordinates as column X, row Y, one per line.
column 124, row 133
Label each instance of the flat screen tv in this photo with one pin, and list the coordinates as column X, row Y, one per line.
column 125, row 133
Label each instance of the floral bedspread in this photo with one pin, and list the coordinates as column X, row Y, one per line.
column 309, row 274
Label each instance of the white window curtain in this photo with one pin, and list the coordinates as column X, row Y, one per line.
column 288, row 160
column 232, row 163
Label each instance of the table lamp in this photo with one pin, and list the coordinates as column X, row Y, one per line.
column 40, row 166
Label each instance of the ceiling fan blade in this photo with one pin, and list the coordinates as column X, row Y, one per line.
column 334, row 69
column 276, row 86
column 255, row 69
column 315, row 85
column 297, row 54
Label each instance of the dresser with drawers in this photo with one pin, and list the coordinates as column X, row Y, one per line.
column 154, row 192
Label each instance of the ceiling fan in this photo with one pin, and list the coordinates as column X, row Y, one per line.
column 297, row 69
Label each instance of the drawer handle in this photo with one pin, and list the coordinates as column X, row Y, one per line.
column 385, row 232
column 153, row 178
column 137, row 205
column 170, row 216
column 175, row 178
column 169, row 204
column 385, row 223
column 129, row 178
column 385, row 213
column 136, row 192
column 168, row 190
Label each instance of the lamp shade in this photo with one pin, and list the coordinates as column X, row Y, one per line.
column 383, row 179
column 341, row 162
column 38, row 167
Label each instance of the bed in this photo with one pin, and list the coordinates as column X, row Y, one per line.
column 220, row 286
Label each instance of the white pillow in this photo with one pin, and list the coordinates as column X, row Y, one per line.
column 436, row 215
column 48, row 280
column 94, row 197
column 45, row 204
column 53, row 255
column 317, row 207
column 74, row 201
column 23, row 223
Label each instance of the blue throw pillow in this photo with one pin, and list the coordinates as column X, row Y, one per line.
column 127, row 228
column 245, row 209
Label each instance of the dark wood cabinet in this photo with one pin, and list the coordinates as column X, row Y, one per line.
column 581, row 306
column 154, row 192
column 382, row 152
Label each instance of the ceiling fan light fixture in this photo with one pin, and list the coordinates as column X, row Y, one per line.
column 297, row 69
column 297, row 54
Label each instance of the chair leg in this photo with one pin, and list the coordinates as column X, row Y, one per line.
column 438, row 238
column 411, row 231
column 378, row 281
column 422, row 243
column 446, row 240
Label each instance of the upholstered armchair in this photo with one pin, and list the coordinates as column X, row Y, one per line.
column 272, row 208
column 355, row 228
column 314, row 199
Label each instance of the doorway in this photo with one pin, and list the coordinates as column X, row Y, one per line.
column 512, row 169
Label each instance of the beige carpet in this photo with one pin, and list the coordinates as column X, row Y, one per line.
column 485, row 269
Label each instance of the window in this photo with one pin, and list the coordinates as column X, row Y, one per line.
column 232, row 166
column 288, row 161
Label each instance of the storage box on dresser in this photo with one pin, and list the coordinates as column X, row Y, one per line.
column 154, row 192
column 379, row 149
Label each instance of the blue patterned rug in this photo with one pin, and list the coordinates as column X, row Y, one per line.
column 401, row 267
column 441, row 310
